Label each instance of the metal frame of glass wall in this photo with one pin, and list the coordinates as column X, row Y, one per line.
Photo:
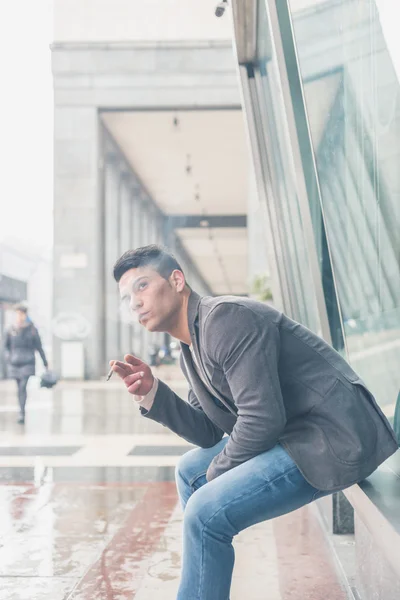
column 317, row 82
column 314, row 82
column 279, row 171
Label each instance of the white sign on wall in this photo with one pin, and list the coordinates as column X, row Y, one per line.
column 74, row 261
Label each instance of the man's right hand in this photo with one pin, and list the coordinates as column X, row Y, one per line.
column 136, row 374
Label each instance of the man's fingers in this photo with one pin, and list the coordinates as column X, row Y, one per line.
column 132, row 360
column 121, row 371
column 122, row 365
column 134, row 388
column 133, row 378
column 130, row 371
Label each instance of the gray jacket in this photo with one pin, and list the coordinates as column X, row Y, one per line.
column 20, row 346
column 275, row 382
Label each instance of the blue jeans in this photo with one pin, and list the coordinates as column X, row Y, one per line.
column 262, row 488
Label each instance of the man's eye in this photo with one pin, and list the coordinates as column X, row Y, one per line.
column 142, row 285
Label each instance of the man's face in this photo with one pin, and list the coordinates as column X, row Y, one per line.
column 155, row 301
column 20, row 317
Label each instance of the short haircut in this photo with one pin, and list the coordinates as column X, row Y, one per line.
column 153, row 256
column 22, row 308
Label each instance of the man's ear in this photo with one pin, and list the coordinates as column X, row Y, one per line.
column 178, row 280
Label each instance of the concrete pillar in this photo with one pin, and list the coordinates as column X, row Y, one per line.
column 136, row 242
column 137, row 236
column 160, row 230
column 145, row 241
column 112, row 185
column 158, row 239
column 125, row 214
column 153, row 225
column 140, row 240
column 124, row 245
column 78, row 274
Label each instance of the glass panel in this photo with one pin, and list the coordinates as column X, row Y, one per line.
column 273, row 139
column 352, row 97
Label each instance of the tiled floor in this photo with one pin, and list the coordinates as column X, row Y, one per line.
column 88, row 509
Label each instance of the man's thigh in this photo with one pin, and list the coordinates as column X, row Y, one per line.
column 193, row 465
column 262, row 488
column 22, row 384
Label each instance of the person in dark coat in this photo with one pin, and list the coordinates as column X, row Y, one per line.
column 21, row 342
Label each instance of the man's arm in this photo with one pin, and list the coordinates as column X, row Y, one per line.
column 247, row 350
column 39, row 347
column 187, row 419
column 7, row 346
column 7, row 342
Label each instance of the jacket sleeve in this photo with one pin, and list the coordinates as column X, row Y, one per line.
column 246, row 348
column 186, row 419
column 7, row 345
column 38, row 346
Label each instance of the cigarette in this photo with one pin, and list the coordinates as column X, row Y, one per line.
column 110, row 372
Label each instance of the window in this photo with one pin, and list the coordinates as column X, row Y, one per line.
column 352, row 99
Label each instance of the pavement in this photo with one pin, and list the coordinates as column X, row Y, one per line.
column 89, row 508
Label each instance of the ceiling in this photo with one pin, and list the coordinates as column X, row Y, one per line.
column 221, row 257
column 194, row 163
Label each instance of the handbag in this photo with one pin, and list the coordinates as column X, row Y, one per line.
column 48, row 379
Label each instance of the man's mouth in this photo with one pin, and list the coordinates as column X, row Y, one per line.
column 143, row 315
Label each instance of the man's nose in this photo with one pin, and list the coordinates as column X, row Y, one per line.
column 136, row 303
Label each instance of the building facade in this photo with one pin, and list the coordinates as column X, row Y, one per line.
column 149, row 147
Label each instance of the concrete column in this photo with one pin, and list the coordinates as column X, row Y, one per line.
column 141, row 240
column 168, row 235
column 153, row 226
column 158, row 239
column 160, row 230
column 111, row 244
column 145, row 241
column 124, row 245
column 125, row 214
column 77, row 283
column 136, row 238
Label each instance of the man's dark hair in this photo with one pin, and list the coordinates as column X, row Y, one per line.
column 154, row 256
column 21, row 308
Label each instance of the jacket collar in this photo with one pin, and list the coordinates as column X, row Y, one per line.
column 224, row 420
column 193, row 311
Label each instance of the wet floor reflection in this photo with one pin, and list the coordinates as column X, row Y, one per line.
column 88, row 532
column 72, row 530
column 71, row 410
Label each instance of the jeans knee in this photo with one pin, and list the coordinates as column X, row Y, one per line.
column 187, row 466
column 205, row 515
column 196, row 512
column 204, row 511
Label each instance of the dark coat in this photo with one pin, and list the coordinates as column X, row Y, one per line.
column 275, row 382
column 20, row 346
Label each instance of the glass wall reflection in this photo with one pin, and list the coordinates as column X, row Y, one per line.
column 290, row 243
column 352, row 98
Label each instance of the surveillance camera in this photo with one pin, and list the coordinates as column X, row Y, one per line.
column 220, row 9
